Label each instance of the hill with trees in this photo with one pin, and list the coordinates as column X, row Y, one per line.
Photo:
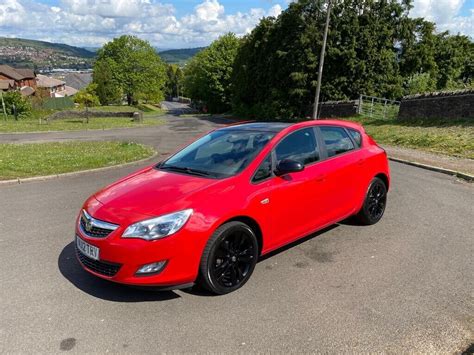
column 19, row 52
column 179, row 56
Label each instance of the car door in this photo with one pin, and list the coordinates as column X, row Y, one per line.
column 342, row 172
column 294, row 206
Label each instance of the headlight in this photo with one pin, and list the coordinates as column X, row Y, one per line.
column 159, row 227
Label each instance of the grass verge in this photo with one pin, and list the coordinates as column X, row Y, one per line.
column 442, row 136
column 32, row 124
column 38, row 159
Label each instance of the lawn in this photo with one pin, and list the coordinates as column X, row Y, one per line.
column 31, row 124
column 444, row 136
column 37, row 159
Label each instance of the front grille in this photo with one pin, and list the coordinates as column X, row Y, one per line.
column 94, row 232
column 95, row 228
column 101, row 267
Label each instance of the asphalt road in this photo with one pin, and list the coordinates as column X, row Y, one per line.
column 405, row 284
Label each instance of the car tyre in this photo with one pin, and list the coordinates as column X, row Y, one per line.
column 374, row 204
column 229, row 258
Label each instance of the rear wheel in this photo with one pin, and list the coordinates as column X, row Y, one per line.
column 374, row 203
column 229, row 258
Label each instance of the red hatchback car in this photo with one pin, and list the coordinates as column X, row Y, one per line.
column 207, row 213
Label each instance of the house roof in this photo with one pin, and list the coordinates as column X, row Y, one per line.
column 47, row 82
column 11, row 72
column 27, row 90
column 78, row 80
column 70, row 91
column 6, row 84
column 27, row 73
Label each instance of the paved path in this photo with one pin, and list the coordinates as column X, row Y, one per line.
column 403, row 285
column 463, row 165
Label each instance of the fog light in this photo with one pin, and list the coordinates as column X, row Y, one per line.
column 152, row 268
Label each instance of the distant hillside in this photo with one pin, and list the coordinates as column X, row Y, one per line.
column 19, row 52
column 179, row 56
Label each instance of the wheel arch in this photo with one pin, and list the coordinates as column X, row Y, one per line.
column 253, row 224
column 384, row 178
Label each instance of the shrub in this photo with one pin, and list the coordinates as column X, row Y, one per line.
column 14, row 98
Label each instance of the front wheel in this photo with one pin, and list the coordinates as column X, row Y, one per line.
column 229, row 258
column 374, row 203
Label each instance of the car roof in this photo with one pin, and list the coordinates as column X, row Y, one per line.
column 277, row 127
column 259, row 126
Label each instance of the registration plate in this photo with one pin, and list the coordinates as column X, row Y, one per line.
column 87, row 249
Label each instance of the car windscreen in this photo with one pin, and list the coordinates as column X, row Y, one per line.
column 219, row 154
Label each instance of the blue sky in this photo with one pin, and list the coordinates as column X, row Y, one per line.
column 175, row 24
column 184, row 7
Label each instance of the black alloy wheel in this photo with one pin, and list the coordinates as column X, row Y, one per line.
column 375, row 203
column 229, row 258
column 376, row 200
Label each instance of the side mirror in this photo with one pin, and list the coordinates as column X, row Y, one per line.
column 287, row 166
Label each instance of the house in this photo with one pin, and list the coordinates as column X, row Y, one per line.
column 7, row 85
column 54, row 87
column 77, row 80
column 14, row 79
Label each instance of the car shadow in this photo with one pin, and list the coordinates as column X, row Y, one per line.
column 71, row 269
column 198, row 291
column 107, row 290
column 297, row 242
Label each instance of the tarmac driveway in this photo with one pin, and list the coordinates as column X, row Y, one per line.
column 404, row 284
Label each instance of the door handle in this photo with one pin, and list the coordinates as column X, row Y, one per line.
column 320, row 178
column 361, row 162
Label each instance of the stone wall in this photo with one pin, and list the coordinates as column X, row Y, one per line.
column 83, row 114
column 456, row 104
column 338, row 109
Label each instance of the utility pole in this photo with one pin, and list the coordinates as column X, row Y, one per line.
column 321, row 62
column 3, row 106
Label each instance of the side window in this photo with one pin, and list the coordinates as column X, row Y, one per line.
column 300, row 146
column 336, row 139
column 356, row 137
column 264, row 171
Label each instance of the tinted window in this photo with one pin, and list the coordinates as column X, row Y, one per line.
column 337, row 141
column 300, row 146
column 221, row 153
column 356, row 137
column 264, row 171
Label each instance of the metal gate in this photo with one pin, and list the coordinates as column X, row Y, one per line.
column 377, row 107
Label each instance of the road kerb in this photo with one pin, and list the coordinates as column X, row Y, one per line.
column 464, row 176
column 75, row 173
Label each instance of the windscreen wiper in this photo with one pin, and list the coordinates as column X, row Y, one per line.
column 185, row 170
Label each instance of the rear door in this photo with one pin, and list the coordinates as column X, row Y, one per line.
column 342, row 172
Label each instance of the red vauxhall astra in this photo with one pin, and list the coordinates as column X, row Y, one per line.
column 208, row 212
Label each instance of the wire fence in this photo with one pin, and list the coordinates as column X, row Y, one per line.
column 377, row 107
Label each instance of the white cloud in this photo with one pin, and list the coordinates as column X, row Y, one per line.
column 275, row 10
column 93, row 22
column 445, row 13
column 209, row 10
column 11, row 13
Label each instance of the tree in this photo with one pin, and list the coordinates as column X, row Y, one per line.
column 87, row 97
column 275, row 71
column 108, row 90
column 454, row 56
column 174, row 80
column 374, row 48
column 207, row 76
column 131, row 65
column 15, row 101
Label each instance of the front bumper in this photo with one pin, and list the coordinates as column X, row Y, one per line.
column 120, row 258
